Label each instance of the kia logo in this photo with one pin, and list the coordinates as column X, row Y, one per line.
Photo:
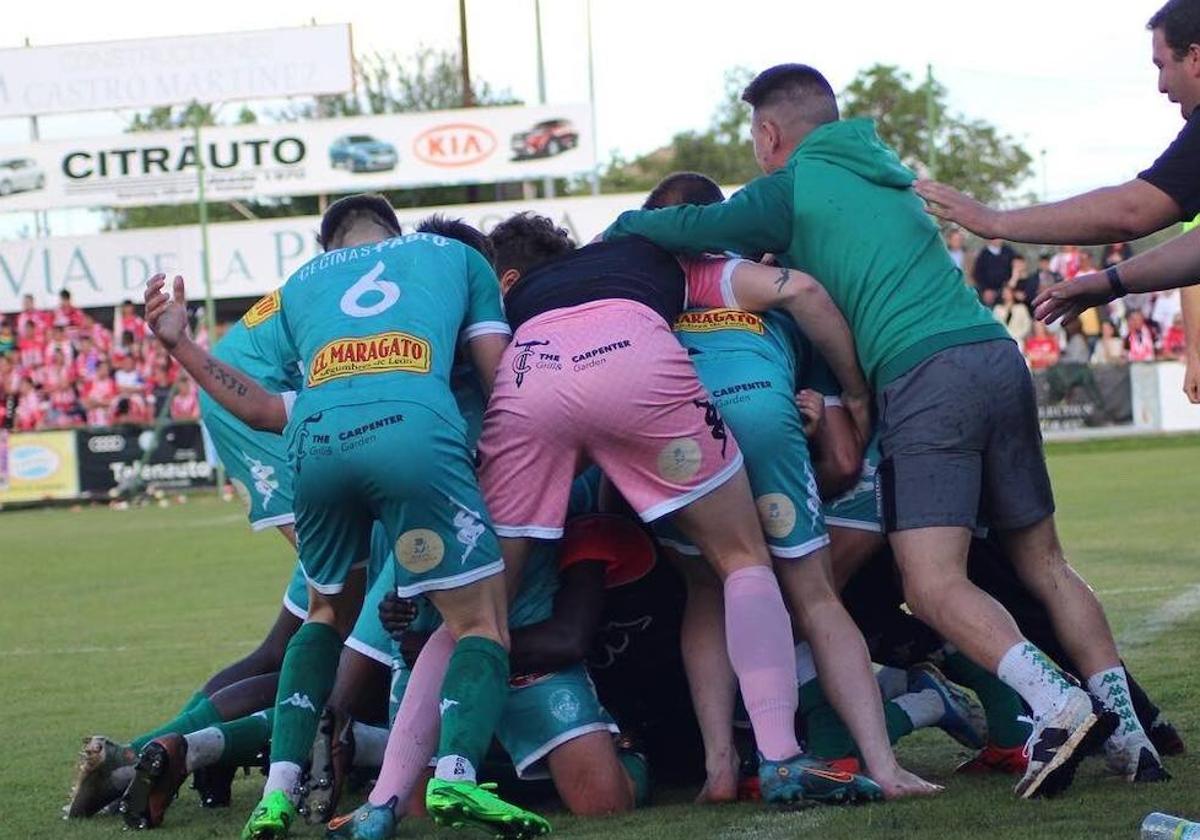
column 106, row 443
column 454, row 144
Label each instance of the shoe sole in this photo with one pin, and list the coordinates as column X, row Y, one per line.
column 91, row 789
column 456, row 815
column 134, row 806
column 320, row 800
column 1059, row 772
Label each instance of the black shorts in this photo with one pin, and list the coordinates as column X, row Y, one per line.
column 960, row 442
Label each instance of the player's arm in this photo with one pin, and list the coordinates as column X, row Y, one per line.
column 485, row 352
column 236, row 392
column 834, row 442
column 485, row 331
column 757, row 219
column 1110, row 214
column 563, row 639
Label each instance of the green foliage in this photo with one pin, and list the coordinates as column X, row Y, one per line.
column 968, row 153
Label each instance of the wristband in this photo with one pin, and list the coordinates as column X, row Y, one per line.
column 1114, row 282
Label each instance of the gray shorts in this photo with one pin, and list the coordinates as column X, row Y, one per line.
column 961, row 444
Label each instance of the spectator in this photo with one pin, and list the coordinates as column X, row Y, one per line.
column 128, row 321
column 129, row 381
column 29, row 314
column 31, row 410
column 1077, row 351
column 87, row 358
column 956, row 245
column 185, row 405
column 1041, row 348
column 160, row 386
column 31, row 348
column 1110, row 349
column 993, row 268
column 1174, row 341
column 1089, row 319
column 58, row 341
column 1042, row 278
column 1116, row 253
column 1014, row 314
column 8, row 339
column 1163, row 309
column 65, row 411
column 66, row 315
column 1139, row 343
column 99, row 396
column 1066, row 262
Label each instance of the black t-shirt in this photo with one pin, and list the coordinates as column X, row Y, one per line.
column 992, row 271
column 631, row 268
column 1177, row 170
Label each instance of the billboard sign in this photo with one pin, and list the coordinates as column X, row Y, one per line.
column 39, row 465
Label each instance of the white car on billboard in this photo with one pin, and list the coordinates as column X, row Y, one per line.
column 20, row 175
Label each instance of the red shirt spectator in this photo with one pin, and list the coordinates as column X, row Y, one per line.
column 31, row 348
column 185, row 405
column 29, row 314
column 1140, row 340
column 66, row 315
column 64, row 408
column 31, row 410
column 98, row 396
column 1041, row 348
column 127, row 321
column 1174, row 342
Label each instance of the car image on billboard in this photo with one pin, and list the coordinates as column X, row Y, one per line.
column 546, row 139
column 20, row 175
column 362, row 153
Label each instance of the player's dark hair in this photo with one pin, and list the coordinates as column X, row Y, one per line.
column 798, row 87
column 459, row 231
column 684, row 188
column 1180, row 22
column 525, row 239
column 345, row 211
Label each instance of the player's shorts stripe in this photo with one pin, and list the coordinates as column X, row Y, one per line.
column 369, row 652
column 855, row 524
column 292, row 607
column 661, row 509
column 680, row 546
column 534, row 532
column 485, row 328
column 272, row 521
column 793, row 552
column 455, row 582
column 557, row 741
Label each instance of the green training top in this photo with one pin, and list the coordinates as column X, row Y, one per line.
column 842, row 210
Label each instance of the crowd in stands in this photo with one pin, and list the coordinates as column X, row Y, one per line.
column 62, row 369
column 1136, row 328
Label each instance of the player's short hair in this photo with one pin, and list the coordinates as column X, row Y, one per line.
column 524, row 240
column 801, row 89
column 346, row 211
column 684, row 188
column 460, row 231
column 1180, row 22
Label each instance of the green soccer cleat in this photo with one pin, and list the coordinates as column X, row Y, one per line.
column 467, row 805
column 271, row 818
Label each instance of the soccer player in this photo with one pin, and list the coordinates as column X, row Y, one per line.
column 376, row 437
column 958, row 428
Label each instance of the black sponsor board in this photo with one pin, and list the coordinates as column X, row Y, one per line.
column 110, row 458
column 1074, row 396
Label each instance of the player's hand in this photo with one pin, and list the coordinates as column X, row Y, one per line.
column 1070, row 298
column 166, row 314
column 396, row 614
column 947, row 203
column 1191, row 376
column 812, row 411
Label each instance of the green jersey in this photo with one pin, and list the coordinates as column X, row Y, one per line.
column 842, row 210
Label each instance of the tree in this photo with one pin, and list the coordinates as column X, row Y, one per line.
column 970, row 154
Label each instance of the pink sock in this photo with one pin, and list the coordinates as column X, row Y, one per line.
column 414, row 736
column 758, row 633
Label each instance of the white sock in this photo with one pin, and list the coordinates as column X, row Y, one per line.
column 454, row 768
column 284, row 776
column 370, row 742
column 892, row 682
column 1027, row 671
column 924, row 708
column 806, row 666
column 204, row 748
column 1112, row 689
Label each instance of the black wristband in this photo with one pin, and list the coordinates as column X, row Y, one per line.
column 1114, row 282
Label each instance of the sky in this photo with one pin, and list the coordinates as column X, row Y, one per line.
column 1072, row 78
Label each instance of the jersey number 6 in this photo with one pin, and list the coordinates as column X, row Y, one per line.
column 370, row 285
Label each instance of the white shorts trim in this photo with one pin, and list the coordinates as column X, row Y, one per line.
column 369, row 652
column 832, row 402
column 680, row 546
column 272, row 521
column 294, row 608
column 210, row 448
column 795, row 552
column 534, row 532
column 456, row 582
column 548, row 747
column 332, row 588
column 853, row 524
column 661, row 509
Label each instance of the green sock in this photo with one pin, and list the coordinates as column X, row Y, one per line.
column 898, row 722
column 1001, row 704
column 639, row 772
column 473, row 695
column 194, row 701
column 200, row 712
column 305, row 680
column 828, row 737
column 245, row 737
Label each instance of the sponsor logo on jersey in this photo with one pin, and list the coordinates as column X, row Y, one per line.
column 600, row 351
column 419, row 550
column 520, row 362
column 263, row 310
column 710, row 320
column 383, row 353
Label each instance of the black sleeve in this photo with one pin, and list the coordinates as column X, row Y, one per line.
column 1177, row 170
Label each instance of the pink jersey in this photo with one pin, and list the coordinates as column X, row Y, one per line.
column 29, row 414
column 31, row 352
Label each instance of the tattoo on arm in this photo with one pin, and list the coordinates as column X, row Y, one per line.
column 226, row 378
column 782, row 279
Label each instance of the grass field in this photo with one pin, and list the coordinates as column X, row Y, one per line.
column 111, row 619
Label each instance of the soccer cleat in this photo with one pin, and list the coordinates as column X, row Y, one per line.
column 1135, row 759
column 160, row 771
column 964, row 719
column 1166, row 737
column 214, row 785
column 993, row 759
column 1060, row 741
column 466, row 805
column 101, row 775
column 271, row 818
column 366, row 822
column 331, row 761
column 801, row 780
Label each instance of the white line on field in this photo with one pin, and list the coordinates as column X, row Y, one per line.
column 1178, row 609
column 91, row 649
column 1136, row 589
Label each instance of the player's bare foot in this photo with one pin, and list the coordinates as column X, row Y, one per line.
column 721, row 785
column 103, row 770
column 900, row 784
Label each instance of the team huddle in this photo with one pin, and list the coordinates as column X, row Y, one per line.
column 569, row 513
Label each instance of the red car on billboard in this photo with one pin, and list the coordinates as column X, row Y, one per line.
column 546, row 139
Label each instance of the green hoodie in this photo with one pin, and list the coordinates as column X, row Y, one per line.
column 841, row 210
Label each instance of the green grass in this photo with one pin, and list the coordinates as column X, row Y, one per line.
column 111, row 620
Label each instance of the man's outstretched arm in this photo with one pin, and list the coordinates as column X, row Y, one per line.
column 234, row 390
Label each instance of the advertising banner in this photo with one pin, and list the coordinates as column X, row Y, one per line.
column 38, row 465
column 108, row 458
column 1075, row 396
column 270, row 63
column 349, row 154
column 248, row 259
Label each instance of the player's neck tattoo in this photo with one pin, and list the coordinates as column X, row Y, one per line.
column 782, row 279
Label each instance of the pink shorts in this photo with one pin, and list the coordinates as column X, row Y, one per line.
column 606, row 383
